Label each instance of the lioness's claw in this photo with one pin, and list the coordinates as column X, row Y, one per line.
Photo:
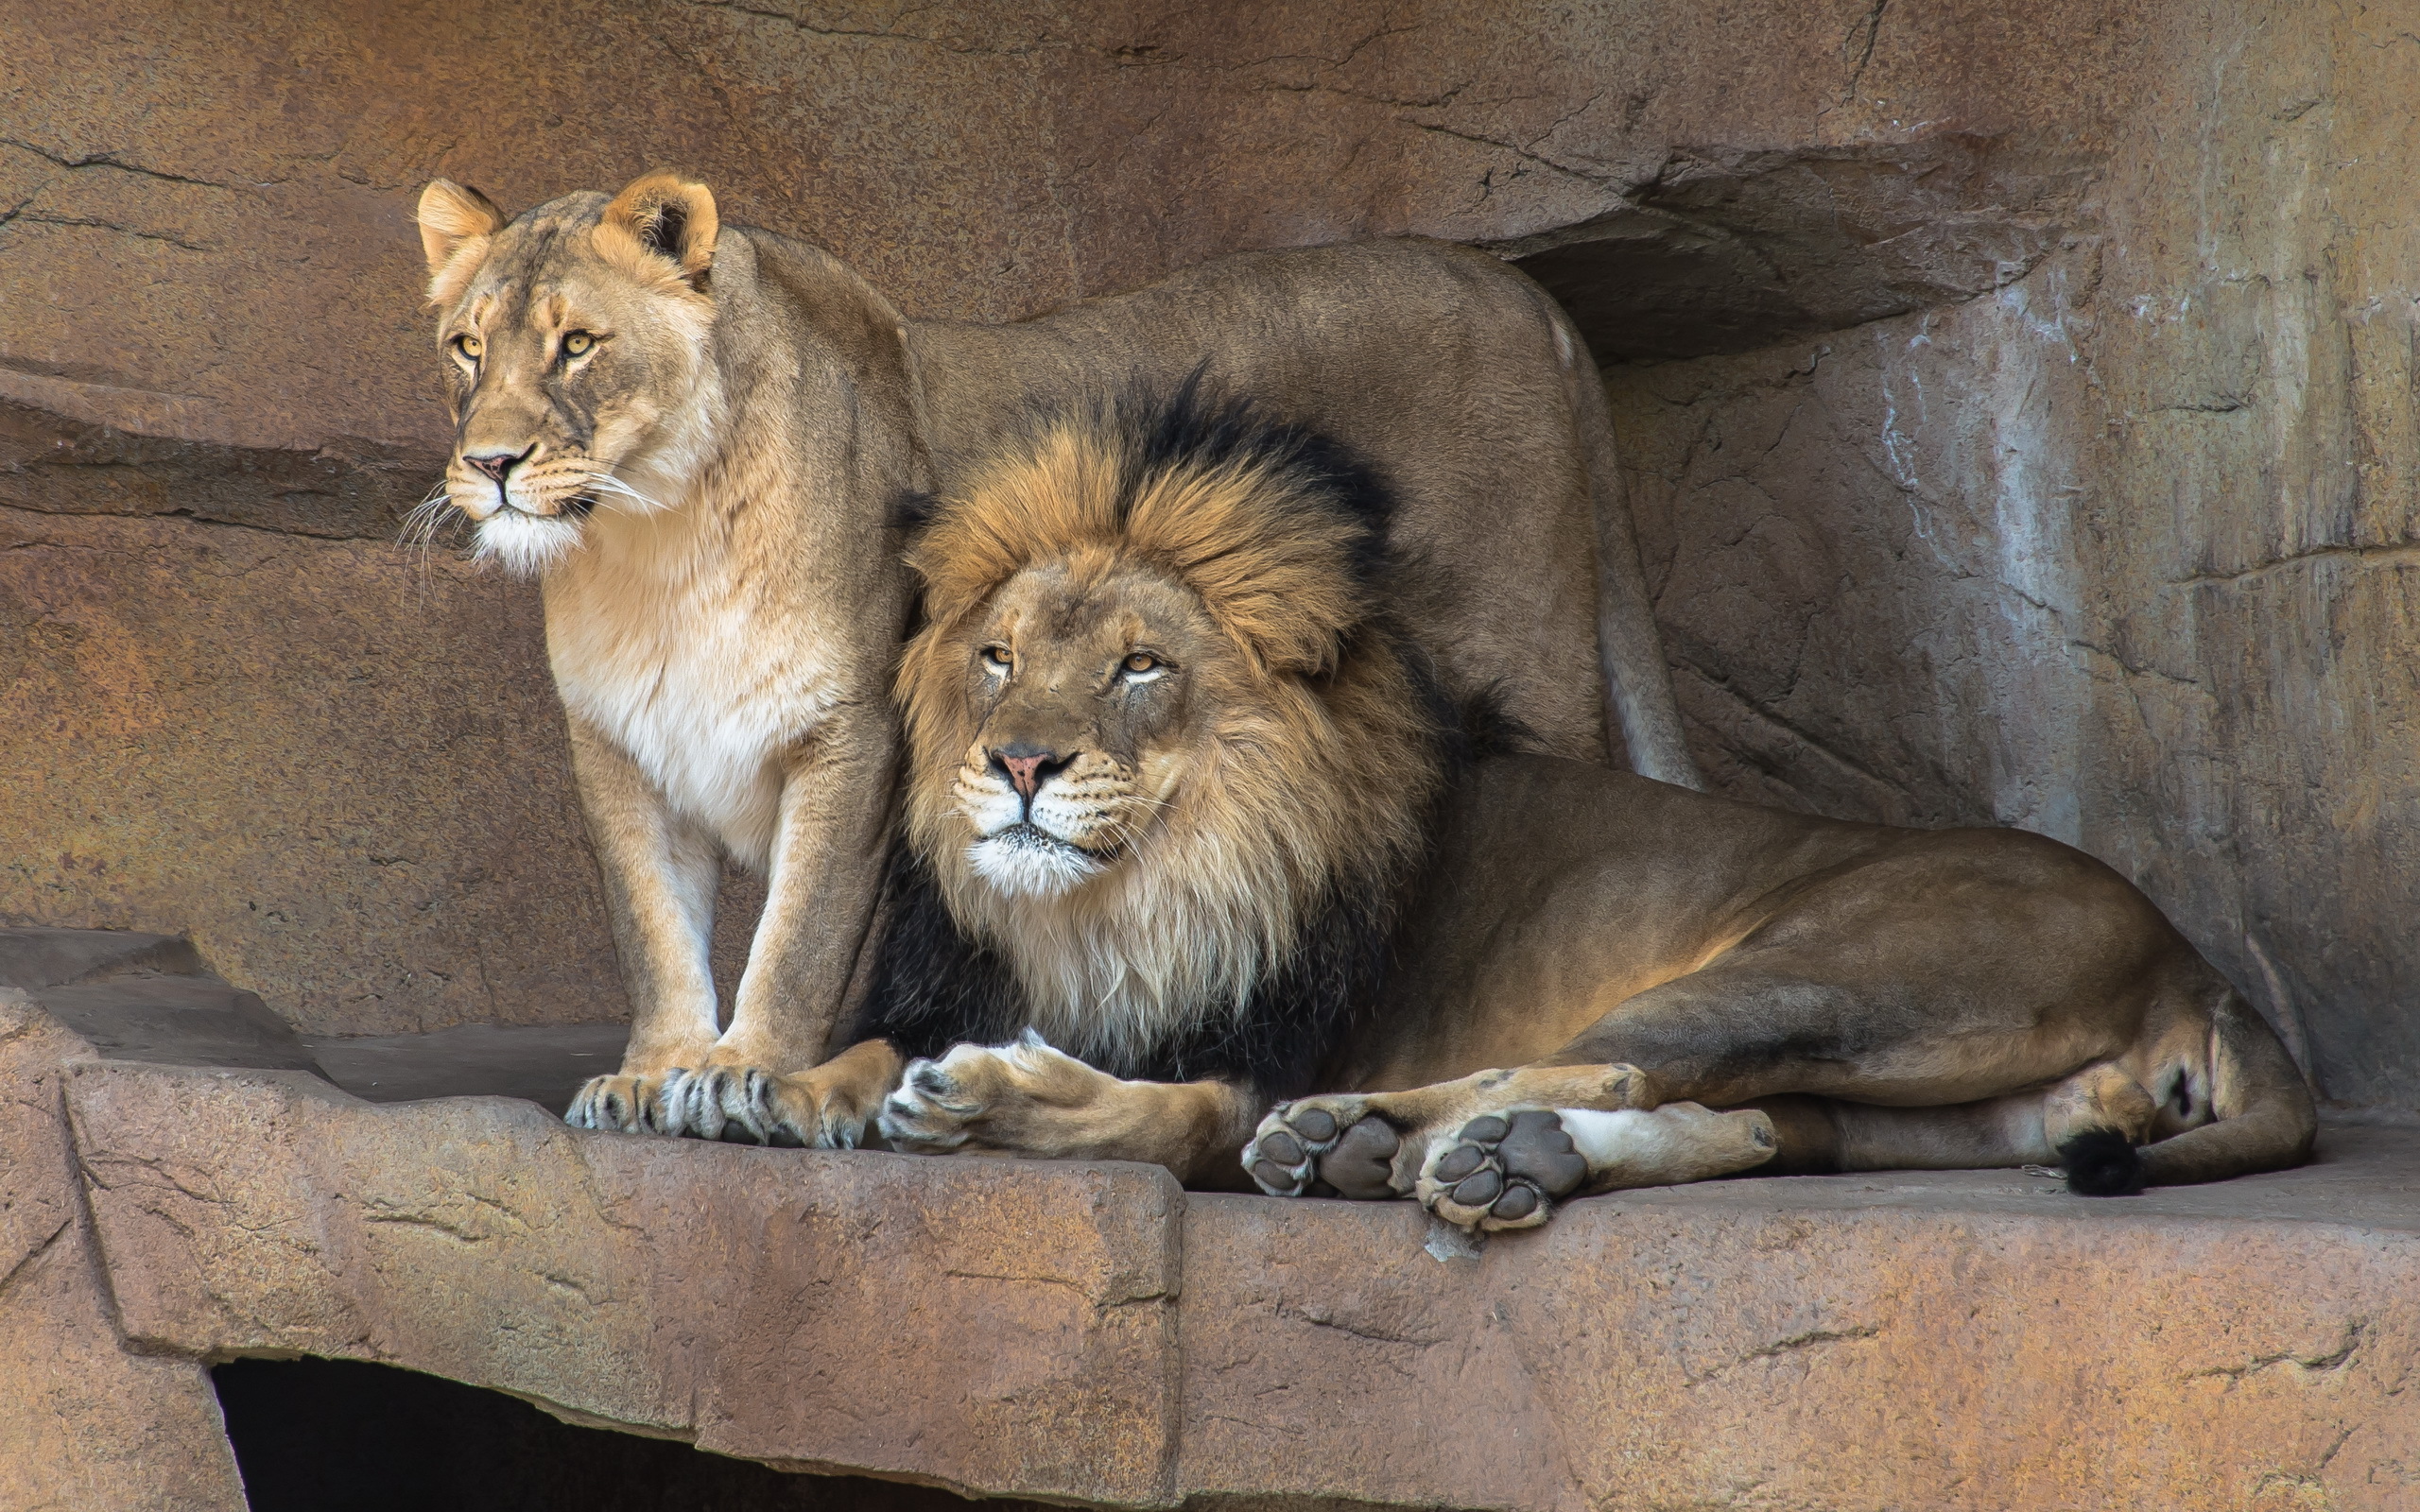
column 1323, row 1144
column 627, row 1104
column 746, row 1105
column 1502, row 1171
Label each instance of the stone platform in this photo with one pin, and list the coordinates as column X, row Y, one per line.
column 1092, row 1335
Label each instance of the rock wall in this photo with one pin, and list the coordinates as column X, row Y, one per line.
column 2018, row 402
column 2122, row 550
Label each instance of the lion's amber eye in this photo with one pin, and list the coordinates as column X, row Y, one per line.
column 577, row 343
column 1140, row 661
column 999, row 657
column 470, row 346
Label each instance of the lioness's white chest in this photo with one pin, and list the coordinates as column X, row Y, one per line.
column 704, row 694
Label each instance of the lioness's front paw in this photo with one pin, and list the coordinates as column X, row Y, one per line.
column 1323, row 1142
column 748, row 1104
column 1502, row 1171
column 630, row 1105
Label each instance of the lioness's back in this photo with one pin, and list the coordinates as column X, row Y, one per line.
column 1450, row 373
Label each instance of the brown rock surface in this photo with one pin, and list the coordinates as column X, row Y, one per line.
column 1968, row 1342
column 993, row 1326
column 2122, row 551
column 85, row 1423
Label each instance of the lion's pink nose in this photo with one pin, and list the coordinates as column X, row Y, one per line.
column 1023, row 771
column 1028, row 768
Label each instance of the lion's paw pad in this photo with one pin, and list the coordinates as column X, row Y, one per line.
column 1321, row 1146
column 1503, row 1171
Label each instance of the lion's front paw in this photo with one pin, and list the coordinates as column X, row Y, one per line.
column 1502, row 1171
column 934, row 1110
column 1023, row 1097
column 1318, row 1144
column 630, row 1105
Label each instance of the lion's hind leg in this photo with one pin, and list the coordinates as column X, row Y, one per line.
column 1508, row 1170
column 1325, row 1146
column 1498, row 1149
column 1373, row 1145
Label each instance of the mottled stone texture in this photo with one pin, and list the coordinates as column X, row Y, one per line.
column 988, row 1325
column 2018, row 399
column 1953, row 1342
column 2122, row 551
column 86, row 1422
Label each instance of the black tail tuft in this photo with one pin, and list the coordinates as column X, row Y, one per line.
column 2102, row 1162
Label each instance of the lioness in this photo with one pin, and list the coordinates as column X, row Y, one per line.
column 1182, row 800
column 692, row 434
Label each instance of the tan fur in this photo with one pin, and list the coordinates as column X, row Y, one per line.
column 1606, row 981
column 1273, row 789
column 702, row 488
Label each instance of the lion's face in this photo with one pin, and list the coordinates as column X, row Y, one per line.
column 1152, row 727
column 574, row 343
column 1079, row 690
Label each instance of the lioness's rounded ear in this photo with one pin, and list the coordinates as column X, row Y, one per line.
column 451, row 214
column 672, row 215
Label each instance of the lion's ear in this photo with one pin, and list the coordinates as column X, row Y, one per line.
column 452, row 215
column 671, row 216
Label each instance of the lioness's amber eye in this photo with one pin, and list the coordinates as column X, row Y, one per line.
column 997, row 656
column 1141, row 662
column 577, row 343
column 470, row 347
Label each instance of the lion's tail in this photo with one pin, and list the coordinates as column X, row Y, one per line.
column 2264, row 1117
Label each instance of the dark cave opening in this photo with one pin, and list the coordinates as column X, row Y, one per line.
column 320, row 1436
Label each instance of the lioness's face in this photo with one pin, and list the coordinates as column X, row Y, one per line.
column 574, row 348
column 1078, row 692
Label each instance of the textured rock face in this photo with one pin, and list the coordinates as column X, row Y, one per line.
column 85, row 1422
column 2026, row 437
column 987, row 1325
column 2122, row 551
column 1964, row 1342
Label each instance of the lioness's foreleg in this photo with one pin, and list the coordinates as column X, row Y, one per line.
column 1026, row 1098
column 826, row 867
column 827, row 1107
column 2093, row 1121
column 660, row 875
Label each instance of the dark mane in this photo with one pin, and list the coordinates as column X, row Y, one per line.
column 934, row 985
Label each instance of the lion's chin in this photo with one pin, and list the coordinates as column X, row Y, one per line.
column 527, row 544
column 1022, row 861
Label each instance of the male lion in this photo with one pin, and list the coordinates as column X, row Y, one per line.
column 1182, row 800
column 692, row 434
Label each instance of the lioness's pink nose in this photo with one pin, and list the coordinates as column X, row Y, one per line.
column 495, row 464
